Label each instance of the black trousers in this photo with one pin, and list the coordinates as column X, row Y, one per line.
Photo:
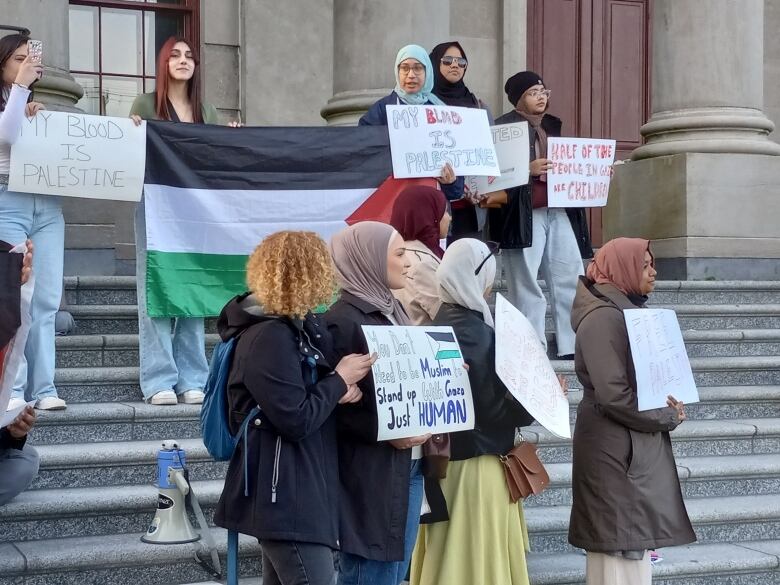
column 297, row 563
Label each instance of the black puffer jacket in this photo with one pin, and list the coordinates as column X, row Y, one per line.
column 497, row 413
column 512, row 224
column 293, row 461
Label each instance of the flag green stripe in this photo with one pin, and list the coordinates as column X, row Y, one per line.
column 182, row 284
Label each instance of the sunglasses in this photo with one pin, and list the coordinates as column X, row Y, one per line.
column 495, row 250
column 449, row 60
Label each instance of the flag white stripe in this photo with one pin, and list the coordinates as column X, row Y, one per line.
column 234, row 221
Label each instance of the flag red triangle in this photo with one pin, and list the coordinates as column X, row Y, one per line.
column 379, row 206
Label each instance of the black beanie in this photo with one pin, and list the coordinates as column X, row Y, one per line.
column 519, row 83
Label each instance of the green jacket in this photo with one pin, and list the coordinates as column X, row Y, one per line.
column 144, row 106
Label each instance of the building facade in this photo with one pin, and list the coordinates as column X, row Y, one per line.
column 699, row 70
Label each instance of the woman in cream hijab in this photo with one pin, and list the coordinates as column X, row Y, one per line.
column 485, row 538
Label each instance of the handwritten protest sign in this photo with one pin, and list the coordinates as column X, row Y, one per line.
column 77, row 155
column 424, row 138
column 512, row 149
column 420, row 383
column 523, row 367
column 580, row 173
column 660, row 360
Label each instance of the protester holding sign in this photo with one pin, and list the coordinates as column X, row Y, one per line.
column 413, row 86
column 420, row 216
column 174, row 366
column 283, row 362
column 31, row 216
column 475, row 487
column 534, row 235
column 626, row 491
column 450, row 63
column 382, row 485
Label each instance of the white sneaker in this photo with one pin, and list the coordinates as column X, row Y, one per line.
column 50, row 403
column 164, row 398
column 15, row 403
column 192, row 397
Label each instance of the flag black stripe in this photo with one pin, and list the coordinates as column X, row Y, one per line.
column 295, row 158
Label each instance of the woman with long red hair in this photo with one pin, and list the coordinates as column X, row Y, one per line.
column 173, row 365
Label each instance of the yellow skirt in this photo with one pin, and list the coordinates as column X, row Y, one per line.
column 485, row 540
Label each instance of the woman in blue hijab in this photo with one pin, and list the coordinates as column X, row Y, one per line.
column 414, row 77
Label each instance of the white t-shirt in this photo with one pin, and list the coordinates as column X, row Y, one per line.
column 11, row 123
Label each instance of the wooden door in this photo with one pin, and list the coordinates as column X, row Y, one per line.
column 595, row 57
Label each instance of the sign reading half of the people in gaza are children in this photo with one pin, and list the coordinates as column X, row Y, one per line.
column 581, row 171
column 512, row 149
column 425, row 138
column 77, row 155
column 660, row 360
column 420, row 383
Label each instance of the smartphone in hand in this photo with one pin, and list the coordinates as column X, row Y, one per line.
column 35, row 51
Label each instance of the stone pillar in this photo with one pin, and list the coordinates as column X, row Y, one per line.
column 706, row 185
column 367, row 36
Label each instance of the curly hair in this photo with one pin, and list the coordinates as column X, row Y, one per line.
column 291, row 273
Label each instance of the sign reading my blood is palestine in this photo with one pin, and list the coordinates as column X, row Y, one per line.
column 77, row 155
column 580, row 173
column 425, row 138
column 420, row 383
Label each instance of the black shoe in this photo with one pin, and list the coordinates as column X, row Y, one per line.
column 568, row 356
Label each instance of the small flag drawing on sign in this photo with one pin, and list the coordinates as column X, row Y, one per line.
column 444, row 345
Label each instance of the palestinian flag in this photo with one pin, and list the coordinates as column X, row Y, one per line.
column 212, row 193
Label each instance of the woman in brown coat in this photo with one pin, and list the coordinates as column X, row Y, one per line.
column 627, row 497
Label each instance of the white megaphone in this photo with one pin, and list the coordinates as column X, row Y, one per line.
column 171, row 525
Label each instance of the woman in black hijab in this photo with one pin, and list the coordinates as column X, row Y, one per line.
column 449, row 66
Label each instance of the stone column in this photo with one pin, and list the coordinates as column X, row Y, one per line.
column 706, row 185
column 367, row 36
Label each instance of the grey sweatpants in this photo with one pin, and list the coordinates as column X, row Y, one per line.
column 17, row 470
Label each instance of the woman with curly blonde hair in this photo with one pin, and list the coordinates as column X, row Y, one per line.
column 287, row 497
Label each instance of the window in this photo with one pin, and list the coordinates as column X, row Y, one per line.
column 114, row 45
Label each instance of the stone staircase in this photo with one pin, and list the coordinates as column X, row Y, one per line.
column 81, row 522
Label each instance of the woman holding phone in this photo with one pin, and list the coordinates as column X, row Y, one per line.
column 173, row 365
column 31, row 216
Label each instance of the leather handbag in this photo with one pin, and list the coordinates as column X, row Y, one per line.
column 436, row 456
column 525, row 473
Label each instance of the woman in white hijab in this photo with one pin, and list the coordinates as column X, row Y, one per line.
column 485, row 538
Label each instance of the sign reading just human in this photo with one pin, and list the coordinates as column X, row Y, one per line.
column 420, row 383
column 425, row 138
column 77, row 155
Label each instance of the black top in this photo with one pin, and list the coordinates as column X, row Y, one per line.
column 292, row 452
column 498, row 414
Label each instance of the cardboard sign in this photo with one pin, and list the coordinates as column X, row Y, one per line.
column 420, row 383
column 77, row 155
column 512, row 149
column 524, row 368
column 581, row 171
column 424, row 138
column 660, row 360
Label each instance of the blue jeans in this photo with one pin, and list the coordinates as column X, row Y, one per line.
column 355, row 570
column 169, row 360
column 38, row 217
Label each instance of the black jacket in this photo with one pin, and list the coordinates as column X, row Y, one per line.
column 497, row 413
column 10, row 294
column 8, row 442
column 512, row 224
column 294, row 437
column 374, row 476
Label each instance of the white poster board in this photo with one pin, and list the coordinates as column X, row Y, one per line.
column 524, row 368
column 420, row 383
column 424, row 138
column 660, row 360
column 513, row 151
column 77, row 155
column 581, row 171
column 14, row 355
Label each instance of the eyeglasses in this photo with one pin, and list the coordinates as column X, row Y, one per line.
column 418, row 69
column 449, row 60
column 495, row 250
column 539, row 92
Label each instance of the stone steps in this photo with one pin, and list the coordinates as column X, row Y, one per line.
column 120, row 350
column 720, row 475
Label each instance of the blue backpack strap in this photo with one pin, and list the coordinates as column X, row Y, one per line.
column 242, row 436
